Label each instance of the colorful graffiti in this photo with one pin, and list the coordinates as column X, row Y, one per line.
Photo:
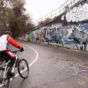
column 30, row 37
column 77, row 13
column 80, row 37
column 58, row 35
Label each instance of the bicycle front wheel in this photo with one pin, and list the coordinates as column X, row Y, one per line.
column 23, row 68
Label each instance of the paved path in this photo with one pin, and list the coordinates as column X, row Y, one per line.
column 53, row 67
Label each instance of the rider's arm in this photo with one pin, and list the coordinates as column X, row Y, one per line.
column 14, row 43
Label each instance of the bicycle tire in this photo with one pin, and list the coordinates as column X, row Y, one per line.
column 1, row 74
column 5, row 82
column 19, row 68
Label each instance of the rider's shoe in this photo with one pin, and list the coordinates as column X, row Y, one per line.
column 10, row 74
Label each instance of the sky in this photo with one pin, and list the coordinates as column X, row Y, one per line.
column 37, row 9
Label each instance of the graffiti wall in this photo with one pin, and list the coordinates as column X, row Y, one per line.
column 61, row 35
column 58, row 35
column 77, row 13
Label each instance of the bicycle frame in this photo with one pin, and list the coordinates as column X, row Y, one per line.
column 16, row 61
column 5, row 66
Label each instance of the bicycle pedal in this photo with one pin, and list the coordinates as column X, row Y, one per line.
column 1, row 79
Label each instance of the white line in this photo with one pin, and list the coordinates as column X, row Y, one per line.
column 37, row 55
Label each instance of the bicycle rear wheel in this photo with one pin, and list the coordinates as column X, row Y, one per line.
column 1, row 74
column 4, row 82
column 23, row 68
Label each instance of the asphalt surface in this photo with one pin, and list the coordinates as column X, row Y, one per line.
column 53, row 67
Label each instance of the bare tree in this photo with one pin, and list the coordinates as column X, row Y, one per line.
column 12, row 17
column 21, row 23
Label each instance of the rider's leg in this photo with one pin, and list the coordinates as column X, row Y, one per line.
column 10, row 57
column 10, row 65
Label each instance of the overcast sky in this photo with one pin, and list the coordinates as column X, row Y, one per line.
column 39, row 8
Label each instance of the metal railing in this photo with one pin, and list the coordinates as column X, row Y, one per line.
column 68, row 4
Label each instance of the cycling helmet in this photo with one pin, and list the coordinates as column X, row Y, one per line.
column 8, row 32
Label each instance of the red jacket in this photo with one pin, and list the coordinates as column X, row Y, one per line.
column 13, row 42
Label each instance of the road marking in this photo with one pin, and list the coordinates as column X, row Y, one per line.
column 37, row 55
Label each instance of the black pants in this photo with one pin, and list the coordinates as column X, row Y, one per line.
column 7, row 56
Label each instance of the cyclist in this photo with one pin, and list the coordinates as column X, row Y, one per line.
column 5, row 52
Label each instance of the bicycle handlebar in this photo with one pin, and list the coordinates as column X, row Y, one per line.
column 16, row 51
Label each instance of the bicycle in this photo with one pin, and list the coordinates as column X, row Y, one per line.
column 20, row 64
